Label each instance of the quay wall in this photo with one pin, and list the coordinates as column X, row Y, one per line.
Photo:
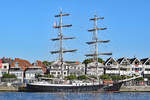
column 135, row 89
column 8, row 89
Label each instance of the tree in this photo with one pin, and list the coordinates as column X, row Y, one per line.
column 9, row 76
column 46, row 63
column 93, row 76
column 105, row 77
column 47, row 75
column 82, row 77
column 148, row 77
column 71, row 77
column 140, row 79
column 86, row 61
column 116, row 77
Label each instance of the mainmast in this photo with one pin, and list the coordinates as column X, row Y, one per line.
column 60, row 38
column 96, row 41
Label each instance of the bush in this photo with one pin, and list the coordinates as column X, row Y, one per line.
column 71, row 77
column 82, row 77
column 92, row 76
column 48, row 76
column 140, row 79
column 9, row 76
column 148, row 77
column 105, row 77
column 116, row 77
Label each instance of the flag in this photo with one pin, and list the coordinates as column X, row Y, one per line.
column 55, row 24
column 1, row 63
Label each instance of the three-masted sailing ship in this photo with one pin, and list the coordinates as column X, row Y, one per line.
column 74, row 86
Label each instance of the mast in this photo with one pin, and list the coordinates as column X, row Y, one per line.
column 60, row 38
column 96, row 41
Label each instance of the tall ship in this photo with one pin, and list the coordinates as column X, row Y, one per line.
column 63, row 85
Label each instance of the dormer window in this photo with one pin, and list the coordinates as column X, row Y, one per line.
column 136, row 63
column 124, row 63
column 147, row 63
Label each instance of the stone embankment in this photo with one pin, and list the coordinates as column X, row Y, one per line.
column 8, row 88
column 135, row 89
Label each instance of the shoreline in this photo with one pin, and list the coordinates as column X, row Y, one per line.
column 135, row 89
column 122, row 89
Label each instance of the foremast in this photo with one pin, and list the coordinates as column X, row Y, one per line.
column 60, row 38
column 96, row 41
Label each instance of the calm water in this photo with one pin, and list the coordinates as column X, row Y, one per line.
column 73, row 96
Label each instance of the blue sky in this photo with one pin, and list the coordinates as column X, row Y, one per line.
column 26, row 27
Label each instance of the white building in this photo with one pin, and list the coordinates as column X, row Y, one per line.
column 55, row 69
column 4, row 67
column 32, row 71
column 146, row 65
column 92, row 70
column 111, row 67
column 136, row 66
column 17, row 71
column 76, row 69
column 124, row 66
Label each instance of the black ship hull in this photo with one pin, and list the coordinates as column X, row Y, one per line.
column 114, row 87
column 94, row 88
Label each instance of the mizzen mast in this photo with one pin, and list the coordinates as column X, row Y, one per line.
column 96, row 41
column 60, row 38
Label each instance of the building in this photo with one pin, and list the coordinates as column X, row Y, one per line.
column 146, row 66
column 24, row 69
column 4, row 67
column 76, row 69
column 37, row 68
column 93, row 70
column 32, row 71
column 111, row 67
column 55, row 69
column 136, row 66
column 124, row 66
column 17, row 71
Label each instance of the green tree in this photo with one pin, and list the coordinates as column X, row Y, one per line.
column 93, row 76
column 86, row 61
column 116, row 77
column 105, row 77
column 9, row 76
column 148, row 77
column 46, row 75
column 71, row 77
column 82, row 77
column 140, row 79
column 46, row 63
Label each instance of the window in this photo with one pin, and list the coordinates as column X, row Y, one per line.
column 5, row 67
column 147, row 63
column 147, row 69
column 53, row 72
column 64, row 73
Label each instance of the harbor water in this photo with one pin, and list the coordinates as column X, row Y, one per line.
column 74, row 96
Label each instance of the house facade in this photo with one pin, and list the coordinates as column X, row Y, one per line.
column 93, row 70
column 4, row 68
column 124, row 66
column 76, row 69
column 136, row 65
column 146, row 66
column 17, row 71
column 55, row 69
column 32, row 71
column 111, row 67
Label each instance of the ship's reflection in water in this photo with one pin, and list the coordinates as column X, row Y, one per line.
column 73, row 96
